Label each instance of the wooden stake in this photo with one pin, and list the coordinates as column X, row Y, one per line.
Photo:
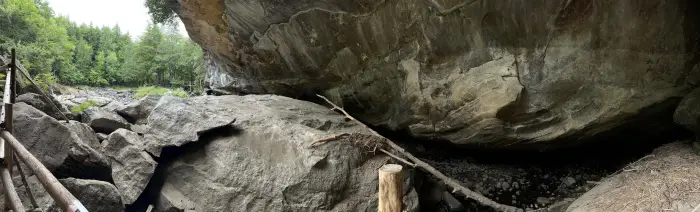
column 457, row 188
column 390, row 188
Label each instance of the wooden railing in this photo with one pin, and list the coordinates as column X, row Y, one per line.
column 11, row 148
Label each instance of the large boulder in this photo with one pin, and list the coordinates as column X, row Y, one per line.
column 132, row 167
column 38, row 102
column 102, row 120
column 61, row 150
column 688, row 111
column 664, row 180
column 137, row 112
column 85, row 133
column 497, row 72
column 269, row 161
column 175, row 121
column 94, row 195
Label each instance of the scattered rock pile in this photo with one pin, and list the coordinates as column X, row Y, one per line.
column 265, row 144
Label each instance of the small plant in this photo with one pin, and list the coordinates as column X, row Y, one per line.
column 44, row 81
column 85, row 105
column 153, row 90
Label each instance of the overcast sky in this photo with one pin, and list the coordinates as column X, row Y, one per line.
column 131, row 15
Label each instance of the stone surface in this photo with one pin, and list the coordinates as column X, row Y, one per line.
column 101, row 136
column 688, row 111
column 494, row 72
column 114, row 106
column 175, row 121
column 132, row 167
column 268, row 161
column 665, row 180
column 137, row 112
column 56, row 146
column 102, row 120
column 85, row 133
column 94, row 195
column 38, row 102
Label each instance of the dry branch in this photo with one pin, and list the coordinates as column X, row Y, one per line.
column 457, row 188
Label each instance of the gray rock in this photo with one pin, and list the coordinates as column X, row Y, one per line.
column 137, row 112
column 687, row 113
column 94, row 195
column 175, row 121
column 268, row 161
column 569, row 181
column 85, row 133
column 102, row 120
column 497, row 73
column 101, row 136
column 61, row 150
column 132, row 167
column 114, row 106
column 38, row 102
column 666, row 180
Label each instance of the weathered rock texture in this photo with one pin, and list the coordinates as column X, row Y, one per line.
column 175, row 121
column 94, row 195
column 137, row 112
column 494, row 72
column 37, row 101
column 56, row 146
column 102, row 120
column 666, row 180
column 269, row 161
column 132, row 167
column 688, row 111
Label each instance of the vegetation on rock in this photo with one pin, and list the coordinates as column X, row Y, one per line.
column 85, row 105
column 154, row 90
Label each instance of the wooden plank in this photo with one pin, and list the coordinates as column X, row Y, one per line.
column 390, row 188
column 60, row 194
column 13, row 201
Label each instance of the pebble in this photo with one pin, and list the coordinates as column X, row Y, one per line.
column 543, row 200
column 505, row 185
column 569, row 181
column 515, row 185
column 498, row 185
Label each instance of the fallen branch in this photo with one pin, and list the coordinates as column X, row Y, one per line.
column 457, row 188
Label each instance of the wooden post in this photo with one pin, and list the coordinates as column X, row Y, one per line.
column 64, row 199
column 390, row 188
column 11, row 198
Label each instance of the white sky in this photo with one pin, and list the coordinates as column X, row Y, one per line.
column 131, row 15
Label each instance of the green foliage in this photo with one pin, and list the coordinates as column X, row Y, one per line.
column 99, row 56
column 44, row 81
column 154, row 90
column 85, row 105
column 161, row 10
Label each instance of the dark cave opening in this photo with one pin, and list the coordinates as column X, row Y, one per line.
column 534, row 179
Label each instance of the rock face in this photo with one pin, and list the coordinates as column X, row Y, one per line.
column 137, row 112
column 268, row 160
column 493, row 72
column 94, row 195
column 132, row 167
column 665, row 180
column 85, row 133
column 102, row 120
column 175, row 121
column 688, row 112
column 56, row 146
column 38, row 102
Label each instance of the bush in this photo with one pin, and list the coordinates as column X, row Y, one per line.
column 85, row 105
column 44, row 81
column 153, row 90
